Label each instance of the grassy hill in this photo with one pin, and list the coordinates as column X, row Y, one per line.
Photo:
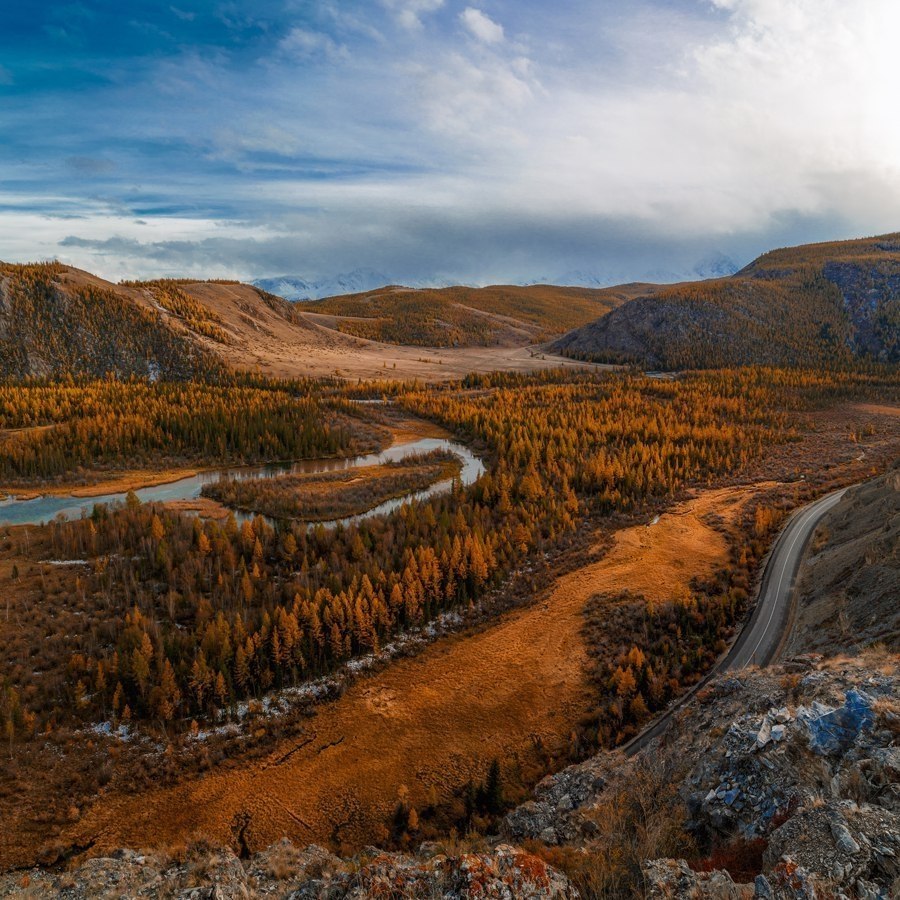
column 502, row 315
column 57, row 320
column 819, row 304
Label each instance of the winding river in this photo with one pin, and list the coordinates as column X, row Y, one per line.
column 14, row 511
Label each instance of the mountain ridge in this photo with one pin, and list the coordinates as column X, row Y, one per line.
column 833, row 303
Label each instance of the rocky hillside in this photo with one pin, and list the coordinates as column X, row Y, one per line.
column 811, row 305
column 783, row 783
column 56, row 321
column 778, row 783
column 311, row 873
column 849, row 585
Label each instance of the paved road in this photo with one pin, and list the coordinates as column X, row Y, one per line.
column 764, row 634
column 762, row 637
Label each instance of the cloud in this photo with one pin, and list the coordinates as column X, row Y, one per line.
column 409, row 13
column 481, row 26
column 90, row 165
column 304, row 43
column 624, row 138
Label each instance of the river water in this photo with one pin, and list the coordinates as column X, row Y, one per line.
column 42, row 509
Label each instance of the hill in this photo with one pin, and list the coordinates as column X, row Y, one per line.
column 57, row 320
column 850, row 581
column 818, row 304
column 502, row 315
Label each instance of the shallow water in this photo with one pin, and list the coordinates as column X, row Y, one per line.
column 43, row 509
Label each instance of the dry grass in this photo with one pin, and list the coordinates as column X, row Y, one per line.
column 311, row 344
column 638, row 817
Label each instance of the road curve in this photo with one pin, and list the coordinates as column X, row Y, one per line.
column 761, row 638
column 764, row 634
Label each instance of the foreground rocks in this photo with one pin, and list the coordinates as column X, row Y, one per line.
column 285, row 871
column 799, row 765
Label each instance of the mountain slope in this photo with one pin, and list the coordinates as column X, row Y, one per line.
column 810, row 305
column 58, row 321
column 502, row 315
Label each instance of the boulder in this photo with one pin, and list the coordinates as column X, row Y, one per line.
column 834, row 730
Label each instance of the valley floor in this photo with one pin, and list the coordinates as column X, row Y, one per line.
column 428, row 724
column 424, row 725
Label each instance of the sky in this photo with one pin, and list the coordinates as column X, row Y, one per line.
column 475, row 141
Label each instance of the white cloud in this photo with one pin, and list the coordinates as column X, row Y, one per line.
column 787, row 110
column 303, row 43
column 481, row 26
column 409, row 12
column 650, row 123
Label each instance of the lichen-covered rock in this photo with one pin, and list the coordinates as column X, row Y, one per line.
column 505, row 873
column 834, row 731
column 311, row 873
column 556, row 814
column 669, row 879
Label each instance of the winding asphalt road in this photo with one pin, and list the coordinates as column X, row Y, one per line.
column 762, row 637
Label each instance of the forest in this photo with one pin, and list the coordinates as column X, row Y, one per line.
column 58, row 430
column 333, row 495
column 186, row 618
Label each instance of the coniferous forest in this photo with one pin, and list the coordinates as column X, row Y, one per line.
column 187, row 617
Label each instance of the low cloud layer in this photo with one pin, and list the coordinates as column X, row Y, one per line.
column 428, row 138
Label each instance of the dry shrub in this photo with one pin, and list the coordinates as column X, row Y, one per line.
column 282, row 862
column 639, row 817
column 887, row 714
column 790, row 684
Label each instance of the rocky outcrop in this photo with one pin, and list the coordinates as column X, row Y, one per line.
column 285, row 871
column 668, row 879
column 801, row 764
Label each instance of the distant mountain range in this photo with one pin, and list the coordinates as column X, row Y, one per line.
column 298, row 287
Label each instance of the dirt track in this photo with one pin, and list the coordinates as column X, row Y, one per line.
column 427, row 723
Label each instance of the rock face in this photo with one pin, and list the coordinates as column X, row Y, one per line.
column 871, row 295
column 848, row 586
column 802, row 765
column 285, row 871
